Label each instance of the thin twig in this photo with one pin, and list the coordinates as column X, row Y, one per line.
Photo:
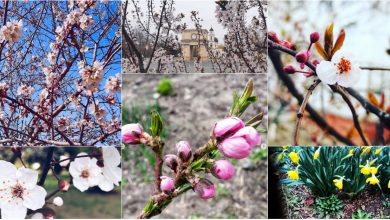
column 302, row 110
column 355, row 116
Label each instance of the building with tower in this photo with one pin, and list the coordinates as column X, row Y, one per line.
column 193, row 43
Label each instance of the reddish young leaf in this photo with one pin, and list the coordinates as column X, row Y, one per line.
column 328, row 40
column 321, row 50
column 339, row 42
column 373, row 100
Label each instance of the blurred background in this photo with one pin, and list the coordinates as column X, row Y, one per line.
column 90, row 204
column 190, row 105
column 367, row 39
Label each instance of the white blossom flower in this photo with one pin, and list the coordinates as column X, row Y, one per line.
column 26, row 91
column 85, row 172
column 65, row 162
column 19, row 191
column 113, row 84
column 12, row 31
column 111, row 171
column 341, row 70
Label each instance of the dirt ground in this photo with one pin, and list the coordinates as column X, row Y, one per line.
column 200, row 101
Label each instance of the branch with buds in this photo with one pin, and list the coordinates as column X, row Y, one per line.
column 231, row 137
column 336, row 70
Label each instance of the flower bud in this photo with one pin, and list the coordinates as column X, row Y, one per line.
column 183, row 150
column 223, row 169
column 314, row 37
column 57, row 201
column 235, row 147
column 316, row 62
column 286, row 44
column 273, row 37
column 171, row 161
column 228, row 126
column 63, row 185
column 250, row 134
column 302, row 56
column 167, row 184
column 205, row 189
column 131, row 133
column 289, row 69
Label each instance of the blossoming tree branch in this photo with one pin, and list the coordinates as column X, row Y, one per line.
column 23, row 191
column 231, row 138
column 59, row 80
column 151, row 42
column 338, row 69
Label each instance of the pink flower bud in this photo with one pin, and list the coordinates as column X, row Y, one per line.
column 183, row 150
column 314, row 37
column 302, row 56
column 235, row 147
column 171, row 161
column 250, row 134
column 228, row 126
column 273, row 37
column 131, row 133
column 167, row 184
column 205, row 189
column 63, row 185
column 289, row 69
column 316, row 62
column 223, row 169
column 286, row 44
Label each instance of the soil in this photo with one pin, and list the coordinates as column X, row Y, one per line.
column 199, row 101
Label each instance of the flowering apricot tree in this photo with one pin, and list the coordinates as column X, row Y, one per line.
column 231, row 138
column 23, row 194
column 337, row 69
column 60, row 66
column 151, row 37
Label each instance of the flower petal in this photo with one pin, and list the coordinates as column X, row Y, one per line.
column 13, row 210
column 28, row 177
column 81, row 184
column 327, row 72
column 106, row 185
column 114, row 174
column 111, row 156
column 8, row 170
column 35, row 199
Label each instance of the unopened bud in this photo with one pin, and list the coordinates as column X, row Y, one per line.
column 273, row 36
column 286, row 44
column 302, row 56
column 63, row 185
column 167, row 184
column 131, row 133
column 228, row 126
column 223, row 169
column 314, row 37
column 171, row 161
column 205, row 189
column 58, row 201
column 316, row 62
column 183, row 150
column 289, row 69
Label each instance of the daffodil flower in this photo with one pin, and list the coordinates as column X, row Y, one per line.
column 378, row 151
column 338, row 183
column 293, row 174
column 373, row 180
column 294, row 156
column 351, row 152
column 316, row 154
column 341, row 70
